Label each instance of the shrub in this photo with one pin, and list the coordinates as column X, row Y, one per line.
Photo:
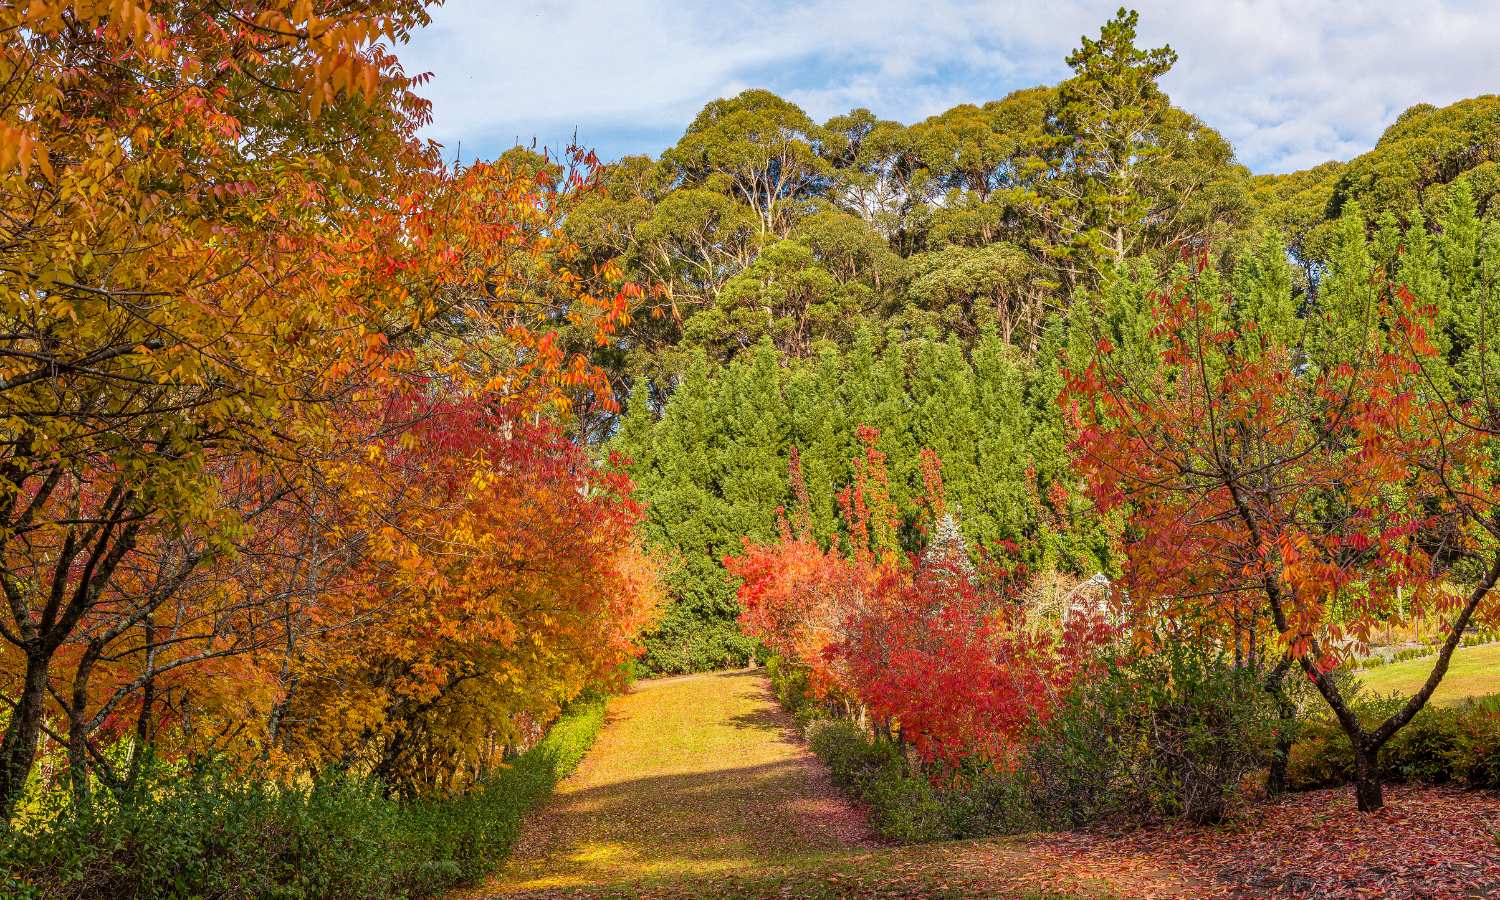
column 1439, row 745
column 1321, row 757
column 1424, row 750
column 984, row 800
column 1172, row 734
column 196, row 832
column 907, row 805
column 903, row 805
column 1475, row 755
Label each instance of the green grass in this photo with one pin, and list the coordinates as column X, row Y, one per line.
column 1473, row 672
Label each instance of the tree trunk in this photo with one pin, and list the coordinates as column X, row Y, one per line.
column 142, row 745
column 1367, row 793
column 18, row 746
column 1276, row 777
column 1286, row 721
column 78, row 763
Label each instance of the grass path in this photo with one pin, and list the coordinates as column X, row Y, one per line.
column 701, row 787
column 691, row 776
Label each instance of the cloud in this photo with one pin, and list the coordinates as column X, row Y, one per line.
column 1290, row 82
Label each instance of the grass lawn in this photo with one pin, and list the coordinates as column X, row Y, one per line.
column 1473, row 672
column 701, row 787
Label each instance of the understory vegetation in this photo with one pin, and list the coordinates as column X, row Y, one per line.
column 1137, row 749
column 205, row 831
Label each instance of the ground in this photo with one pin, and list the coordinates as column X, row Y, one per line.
column 700, row 787
column 690, row 776
column 1473, row 672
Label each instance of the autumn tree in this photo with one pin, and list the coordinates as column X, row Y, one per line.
column 1318, row 492
column 500, row 575
column 220, row 229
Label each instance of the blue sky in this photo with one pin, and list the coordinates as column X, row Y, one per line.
column 1291, row 83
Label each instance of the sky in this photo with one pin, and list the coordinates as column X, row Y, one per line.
column 1291, row 83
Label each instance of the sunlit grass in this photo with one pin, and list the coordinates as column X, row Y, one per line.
column 693, row 776
column 1473, row 672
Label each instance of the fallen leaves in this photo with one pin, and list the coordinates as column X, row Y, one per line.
column 1427, row 842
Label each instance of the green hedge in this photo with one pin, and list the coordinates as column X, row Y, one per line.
column 203, row 833
column 1477, row 639
column 904, row 805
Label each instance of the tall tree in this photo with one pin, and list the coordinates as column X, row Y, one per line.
column 1128, row 172
column 763, row 150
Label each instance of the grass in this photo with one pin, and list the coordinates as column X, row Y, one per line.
column 956, row 869
column 701, row 787
column 1473, row 672
column 693, row 776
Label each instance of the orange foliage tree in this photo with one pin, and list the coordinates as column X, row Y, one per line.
column 500, row 576
column 226, row 256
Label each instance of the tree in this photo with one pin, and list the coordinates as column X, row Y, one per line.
column 969, row 288
column 224, row 247
column 926, row 643
column 871, row 159
column 175, row 296
column 949, row 659
column 501, row 575
column 800, row 600
column 675, row 461
column 1318, row 495
column 813, row 286
column 763, row 150
column 1128, row 173
column 1421, row 157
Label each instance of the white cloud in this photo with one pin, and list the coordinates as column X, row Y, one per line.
column 1290, row 82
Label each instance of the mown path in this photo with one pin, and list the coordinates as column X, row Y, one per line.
column 701, row 787
column 690, row 776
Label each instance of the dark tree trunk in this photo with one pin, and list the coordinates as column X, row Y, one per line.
column 142, row 746
column 1367, row 793
column 1286, row 721
column 78, row 755
column 19, row 745
column 1276, row 776
column 78, row 764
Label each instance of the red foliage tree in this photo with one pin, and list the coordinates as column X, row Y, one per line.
column 929, row 646
column 1317, row 492
column 950, row 659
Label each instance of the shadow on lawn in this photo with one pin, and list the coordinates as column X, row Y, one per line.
column 714, row 814
column 724, row 814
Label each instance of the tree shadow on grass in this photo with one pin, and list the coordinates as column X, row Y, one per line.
column 769, row 718
column 682, row 824
column 688, row 788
